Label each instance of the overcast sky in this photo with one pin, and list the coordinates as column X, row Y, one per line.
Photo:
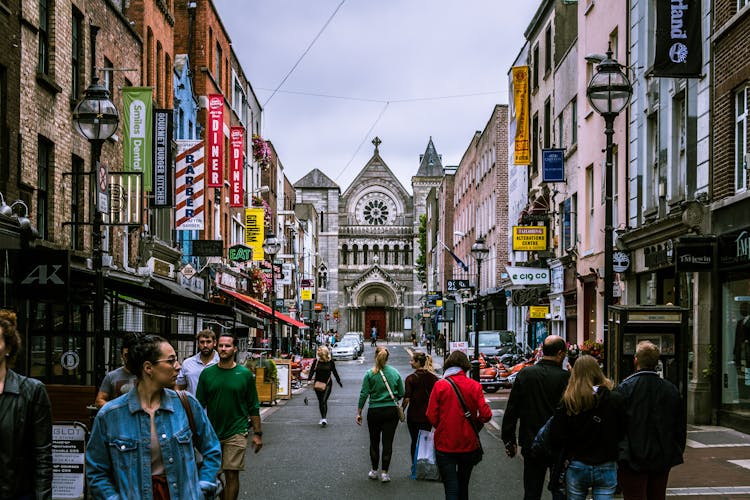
column 392, row 65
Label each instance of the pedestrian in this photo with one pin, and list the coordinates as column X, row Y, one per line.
column 535, row 395
column 118, row 381
column 655, row 428
column 457, row 446
column 193, row 366
column 373, row 336
column 141, row 445
column 383, row 386
column 227, row 391
column 588, row 426
column 25, row 424
column 418, row 387
column 322, row 369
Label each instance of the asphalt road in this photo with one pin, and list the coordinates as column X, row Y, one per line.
column 300, row 459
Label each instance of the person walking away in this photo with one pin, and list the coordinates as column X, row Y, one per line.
column 322, row 369
column 457, row 448
column 193, row 366
column 535, row 395
column 119, row 381
column 25, row 424
column 373, row 336
column 383, row 386
column 655, row 428
column 227, row 391
column 588, row 426
column 141, row 445
column 418, row 387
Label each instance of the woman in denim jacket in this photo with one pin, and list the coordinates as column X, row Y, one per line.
column 141, row 445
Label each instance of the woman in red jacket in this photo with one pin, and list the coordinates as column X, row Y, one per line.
column 457, row 445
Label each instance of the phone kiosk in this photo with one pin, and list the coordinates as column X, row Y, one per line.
column 665, row 326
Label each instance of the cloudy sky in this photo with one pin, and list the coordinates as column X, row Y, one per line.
column 403, row 70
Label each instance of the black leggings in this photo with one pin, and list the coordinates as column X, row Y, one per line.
column 382, row 421
column 323, row 399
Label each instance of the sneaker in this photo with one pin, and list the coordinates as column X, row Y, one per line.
column 373, row 474
column 323, row 422
column 385, row 477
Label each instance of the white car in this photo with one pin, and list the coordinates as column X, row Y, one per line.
column 345, row 349
column 358, row 338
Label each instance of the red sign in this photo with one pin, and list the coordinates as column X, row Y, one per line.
column 236, row 165
column 215, row 140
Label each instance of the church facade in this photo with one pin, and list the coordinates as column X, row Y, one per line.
column 368, row 243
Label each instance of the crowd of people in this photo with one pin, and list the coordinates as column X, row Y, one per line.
column 169, row 430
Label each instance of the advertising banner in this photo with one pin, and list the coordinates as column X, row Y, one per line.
column 529, row 238
column 678, row 51
column 522, row 143
column 254, row 231
column 136, row 129
column 553, row 165
column 215, row 140
column 236, row 166
column 189, row 185
column 162, row 157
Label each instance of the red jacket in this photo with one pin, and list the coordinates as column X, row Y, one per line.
column 453, row 433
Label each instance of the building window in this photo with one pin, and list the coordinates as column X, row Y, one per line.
column 77, row 214
column 740, row 139
column 574, row 121
column 45, row 151
column 560, row 134
column 590, row 207
column 535, row 145
column 548, row 50
column 107, row 75
column 149, row 57
column 547, row 123
column 219, row 61
column 76, row 46
column 44, row 45
column 535, row 68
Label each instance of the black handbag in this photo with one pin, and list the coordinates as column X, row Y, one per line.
column 476, row 425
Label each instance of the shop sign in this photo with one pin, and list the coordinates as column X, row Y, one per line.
column 161, row 267
column 734, row 249
column 215, row 140
column 188, row 271
column 43, row 272
column 694, row 253
column 456, row 285
column 68, row 450
column 620, row 262
column 305, row 294
column 538, row 312
column 553, row 165
column 529, row 238
column 208, row 248
column 240, row 253
column 528, row 275
column 657, row 256
column 195, row 284
column 318, row 306
column 189, row 185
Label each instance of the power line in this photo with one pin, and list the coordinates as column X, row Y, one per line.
column 305, row 52
column 392, row 100
column 367, row 135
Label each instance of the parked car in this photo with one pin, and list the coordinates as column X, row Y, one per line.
column 346, row 349
column 493, row 342
column 359, row 337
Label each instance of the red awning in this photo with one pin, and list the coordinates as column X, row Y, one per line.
column 260, row 306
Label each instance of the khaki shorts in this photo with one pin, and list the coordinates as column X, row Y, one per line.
column 233, row 452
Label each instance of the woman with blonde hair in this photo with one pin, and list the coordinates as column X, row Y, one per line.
column 321, row 371
column 588, row 426
column 383, row 386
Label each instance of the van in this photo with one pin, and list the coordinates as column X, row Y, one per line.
column 493, row 342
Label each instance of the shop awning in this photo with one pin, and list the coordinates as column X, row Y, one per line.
column 260, row 306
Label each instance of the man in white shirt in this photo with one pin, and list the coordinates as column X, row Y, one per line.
column 192, row 367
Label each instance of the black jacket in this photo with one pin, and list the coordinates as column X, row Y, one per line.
column 321, row 371
column 655, row 427
column 533, row 399
column 25, row 438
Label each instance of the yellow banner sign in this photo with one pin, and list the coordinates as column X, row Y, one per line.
column 522, row 143
column 538, row 312
column 529, row 238
column 306, row 294
column 254, row 233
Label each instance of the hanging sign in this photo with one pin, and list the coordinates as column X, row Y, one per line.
column 521, row 142
column 236, row 166
column 162, row 157
column 678, row 39
column 529, row 238
column 189, row 185
column 137, row 135
column 553, row 165
column 254, row 231
column 215, row 140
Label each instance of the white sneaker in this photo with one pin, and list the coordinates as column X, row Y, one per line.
column 385, row 477
column 373, row 474
column 323, row 422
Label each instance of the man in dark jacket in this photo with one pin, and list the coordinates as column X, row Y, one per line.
column 655, row 428
column 533, row 399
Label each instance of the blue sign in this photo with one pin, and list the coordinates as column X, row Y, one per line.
column 553, row 165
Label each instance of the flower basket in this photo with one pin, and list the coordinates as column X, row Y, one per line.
column 261, row 150
column 593, row 348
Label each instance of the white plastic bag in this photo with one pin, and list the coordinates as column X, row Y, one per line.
column 425, row 466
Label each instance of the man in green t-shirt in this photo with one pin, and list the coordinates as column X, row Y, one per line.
column 227, row 391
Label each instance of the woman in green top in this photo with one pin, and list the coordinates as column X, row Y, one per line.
column 384, row 387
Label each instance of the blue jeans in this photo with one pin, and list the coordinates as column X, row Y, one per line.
column 602, row 479
column 455, row 471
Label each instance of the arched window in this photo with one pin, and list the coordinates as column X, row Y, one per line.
column 355, row 251
column 375, row 254
column 385, row 254
column 395, row 255
column 365, row 249
column 406, row 255
column 344, row 254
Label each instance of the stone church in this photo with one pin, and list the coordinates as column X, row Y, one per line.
column 368, row 242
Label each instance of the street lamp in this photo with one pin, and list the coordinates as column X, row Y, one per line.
column 479, row 251
column 609, row 93
column 271, row 246
column 96, row 119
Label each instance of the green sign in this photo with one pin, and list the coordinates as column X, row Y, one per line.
column 137, row 125
column 240, row 253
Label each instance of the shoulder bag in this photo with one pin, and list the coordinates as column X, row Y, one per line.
column 198, row 456
column 475, row 424
column 401, row 415
column 321, row 386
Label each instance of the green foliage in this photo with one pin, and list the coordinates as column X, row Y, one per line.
column 421, row 264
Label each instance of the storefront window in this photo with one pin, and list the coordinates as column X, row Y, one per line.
column 736, row 342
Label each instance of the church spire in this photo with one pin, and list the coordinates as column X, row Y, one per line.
column 376, row 142
column 430, row 163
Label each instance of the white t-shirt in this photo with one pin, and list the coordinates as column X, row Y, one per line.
column 191, row 371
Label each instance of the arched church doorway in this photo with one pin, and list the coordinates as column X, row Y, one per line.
column 375, row 318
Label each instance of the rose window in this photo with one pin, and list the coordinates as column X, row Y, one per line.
column 376, row 213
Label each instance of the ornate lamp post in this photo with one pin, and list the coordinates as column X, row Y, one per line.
column 271, row 246
column 479, row 251
column 96, row 118
column 609, row 93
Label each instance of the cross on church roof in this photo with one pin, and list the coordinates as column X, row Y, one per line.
column 377, row 142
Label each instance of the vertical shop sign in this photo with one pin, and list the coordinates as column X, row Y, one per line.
column 254, row 234
column 678, row 51
column 137, row 135
column 162, row 158
column 522, row 150
column 236, row 166
column 215, row 140
column 189, row 185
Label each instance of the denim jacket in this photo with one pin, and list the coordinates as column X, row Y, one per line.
column 118, row 456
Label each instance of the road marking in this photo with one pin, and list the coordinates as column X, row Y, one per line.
column 696, row 444
column 718, row 490
column 742, row 463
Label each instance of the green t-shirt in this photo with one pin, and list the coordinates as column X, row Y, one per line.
column 229, row 397
column 374, row 388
